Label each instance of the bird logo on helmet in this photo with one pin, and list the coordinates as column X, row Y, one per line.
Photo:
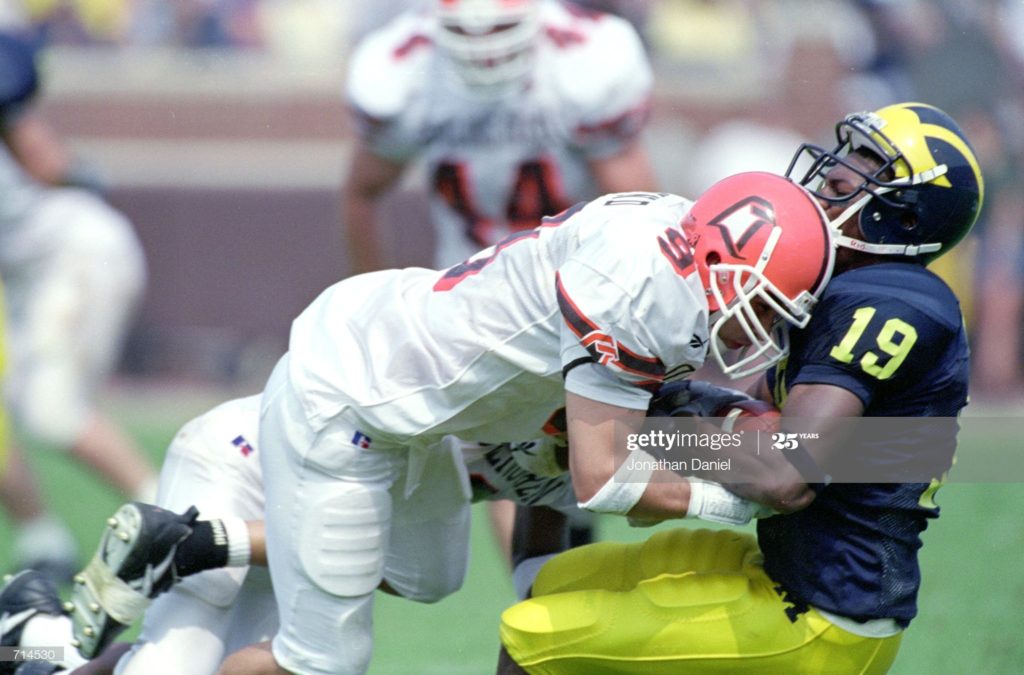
column 923, row 198
column 760, row 242
column 490, row 43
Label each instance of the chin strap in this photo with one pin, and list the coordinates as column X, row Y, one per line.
column 844, row 241
column 885, row 249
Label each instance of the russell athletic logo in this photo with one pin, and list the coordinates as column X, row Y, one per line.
column 243, row 446
column 361, row 440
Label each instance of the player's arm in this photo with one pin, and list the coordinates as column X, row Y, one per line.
column 593, row 429
column 785, row 481
column 369, row 179
column 38, row 149
column 626, row 171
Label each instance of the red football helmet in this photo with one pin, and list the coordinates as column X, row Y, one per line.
column 491, row 43
column 759, row 239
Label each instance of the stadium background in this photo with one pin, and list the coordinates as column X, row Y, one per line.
column 220, row 131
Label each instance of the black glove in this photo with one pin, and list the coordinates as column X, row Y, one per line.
column 693, row 398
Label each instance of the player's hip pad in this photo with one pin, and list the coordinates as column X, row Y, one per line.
column 343, row 539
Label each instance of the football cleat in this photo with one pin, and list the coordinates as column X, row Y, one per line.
column 24, row 595
column 133, row 564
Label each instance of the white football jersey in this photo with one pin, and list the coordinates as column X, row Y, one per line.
column 496, row 164
column 479, row 350
column 526, row 473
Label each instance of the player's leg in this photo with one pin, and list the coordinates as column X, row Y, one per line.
column 327, row 530
column 502, row 516
column 686, row 600
column 429, row 544
column 69, row 307
column 188, row 629
column 209, row 466
column 41, row 540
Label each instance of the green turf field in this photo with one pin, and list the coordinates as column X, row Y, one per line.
column 971, row 606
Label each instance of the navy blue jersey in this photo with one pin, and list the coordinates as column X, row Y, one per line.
column 893, row 335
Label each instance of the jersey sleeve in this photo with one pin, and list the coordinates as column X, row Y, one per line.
column 626, row 314
column 612, row 81
column 383, row 75
column 868, row 345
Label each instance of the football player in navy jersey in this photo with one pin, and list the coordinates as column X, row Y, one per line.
column 831, row 582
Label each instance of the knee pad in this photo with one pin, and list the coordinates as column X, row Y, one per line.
column 343, row 541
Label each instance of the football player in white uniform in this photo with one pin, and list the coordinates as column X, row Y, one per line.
column 74, row 271
column 590, row 312
column 517, row 108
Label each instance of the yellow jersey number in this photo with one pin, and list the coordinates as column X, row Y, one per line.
column 895, row 340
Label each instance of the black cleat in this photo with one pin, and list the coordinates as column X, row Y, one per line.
column 24, row 595
column 133, row 564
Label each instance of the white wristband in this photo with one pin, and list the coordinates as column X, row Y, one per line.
column 710, row 501
column 624, row 489
column 239, row 547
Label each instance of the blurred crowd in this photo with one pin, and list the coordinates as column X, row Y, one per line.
column 726, row 72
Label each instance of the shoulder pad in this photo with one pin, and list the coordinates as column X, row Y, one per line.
column 386, row 66
column 600, row 62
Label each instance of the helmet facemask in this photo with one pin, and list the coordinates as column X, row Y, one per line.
column 736, row 290
column 761, row 245
column 489, row 43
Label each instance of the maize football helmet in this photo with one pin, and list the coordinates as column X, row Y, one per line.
column 759, row 237
column 923, row 198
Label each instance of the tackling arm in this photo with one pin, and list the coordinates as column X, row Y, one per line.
column 782, row 482
column 369, row 178
column 592, row 462
column 38, row 149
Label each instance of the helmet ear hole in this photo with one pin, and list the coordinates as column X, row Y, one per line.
column 908, row 221
column 712, row 258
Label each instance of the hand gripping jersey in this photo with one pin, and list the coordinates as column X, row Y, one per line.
column 479, row 350
column 893, row 335
column 495, row 164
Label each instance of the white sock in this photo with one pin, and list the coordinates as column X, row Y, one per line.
column 44, row 631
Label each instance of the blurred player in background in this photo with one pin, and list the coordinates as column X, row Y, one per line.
column 830, row 584
column 74, row 272
column 517, row 110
